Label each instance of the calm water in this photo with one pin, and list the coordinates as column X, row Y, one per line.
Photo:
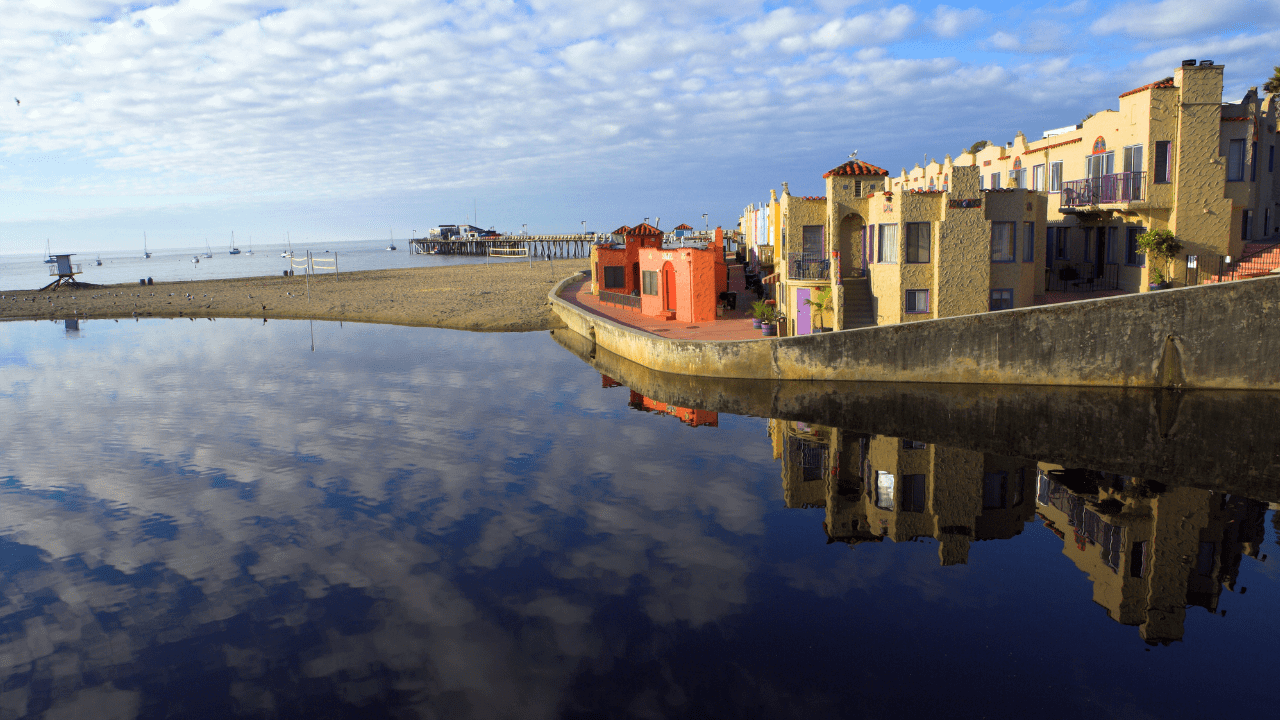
column 226, row 519
column 28, row 272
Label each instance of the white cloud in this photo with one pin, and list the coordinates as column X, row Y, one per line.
column 874, row 28
column 952, row 22
column 1176, row 18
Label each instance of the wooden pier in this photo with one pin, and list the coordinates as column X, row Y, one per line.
column 538, row 246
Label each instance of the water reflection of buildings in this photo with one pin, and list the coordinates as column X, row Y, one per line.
column 875, row 487
column 1150, row 551
column 689, row 416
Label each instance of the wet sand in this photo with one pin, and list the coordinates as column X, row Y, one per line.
column 507, row 296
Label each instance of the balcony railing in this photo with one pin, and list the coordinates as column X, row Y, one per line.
column 1117, row 188
column 808, row 266
column 613, row 298
column 764, row 254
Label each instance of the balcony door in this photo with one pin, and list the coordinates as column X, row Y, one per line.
column 1133, row 169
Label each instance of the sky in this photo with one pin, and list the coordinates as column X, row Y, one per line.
column 354, row 119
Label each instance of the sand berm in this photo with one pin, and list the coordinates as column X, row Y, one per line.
column 506, row 296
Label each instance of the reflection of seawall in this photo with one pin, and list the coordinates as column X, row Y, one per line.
column 1201, row 337
column 1177, row 438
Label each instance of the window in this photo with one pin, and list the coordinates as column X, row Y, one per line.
column 1055, row 176
column 1061, row 250
column 1164, row 161
column 913, row 493
column 1019, row 177
column 1028, row 241
column 917, row 301
column 1235, row 160
column 1246, row 225
column 1133, row 158
column 982, row 183
column 1113, row 247
column 857, row 188
column 649, row 282
column 1001, row 299
column 1131, row 254
column 1138, row 560
column 1037, row 178
column 1253, row 161
column 1002, row 242
column 995, row 181
column 888, row 250
column 1271, row 160
column 1088, row 243
column 913, row 445
column 615, row 277
column 918, row 242
column 884, row 490
column 811, row 237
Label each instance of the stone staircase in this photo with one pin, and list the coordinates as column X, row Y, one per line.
column 859, row 306
column 1259, row 259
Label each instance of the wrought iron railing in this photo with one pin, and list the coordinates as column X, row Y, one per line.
column 810, row 456
column 613, row 298
column 1083, row 277
column 1259, row 259
column 1117, row 188
column 808, row 266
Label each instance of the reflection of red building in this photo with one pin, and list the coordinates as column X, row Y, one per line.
column 676, row 283
column 607, row 382
column 689, row 416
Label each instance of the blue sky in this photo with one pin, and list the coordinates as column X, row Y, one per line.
column 346, row 119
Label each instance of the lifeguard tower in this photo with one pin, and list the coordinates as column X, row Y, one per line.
column 66, row 272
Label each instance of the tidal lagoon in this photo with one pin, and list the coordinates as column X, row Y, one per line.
column 232, row 518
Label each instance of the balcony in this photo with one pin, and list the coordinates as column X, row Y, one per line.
column 765, row 254
column 1091, row 192
column 808, row 266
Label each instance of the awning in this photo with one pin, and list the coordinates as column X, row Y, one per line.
column 770, row 279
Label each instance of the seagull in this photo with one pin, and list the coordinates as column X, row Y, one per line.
column 17, row 101
column 853, row 155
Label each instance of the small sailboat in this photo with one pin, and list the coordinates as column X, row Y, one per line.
column 250, row 246
column 208, row 251
column 287, row 253
column 392, row 246
column 49, row 259
column 145, row 253
column 234, row 250
column 195, row 258
column 98, row 261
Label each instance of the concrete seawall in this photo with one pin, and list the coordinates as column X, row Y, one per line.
column 1211, row 336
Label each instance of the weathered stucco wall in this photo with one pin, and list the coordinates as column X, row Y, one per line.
column 1205, row 337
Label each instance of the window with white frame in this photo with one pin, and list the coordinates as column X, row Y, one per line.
column 995, row 181
column 884, row 490
column 917, row 301
column 1019, row 177
column 649, row 282
column 1002, row 242
column 1037, row 178
column 1055, row 176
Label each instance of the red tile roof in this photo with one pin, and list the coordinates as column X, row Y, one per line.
column 622, row 230
column 1165, row 83
column 644, row 230
column 813, row 197
column 684, row 226
column 856, row 167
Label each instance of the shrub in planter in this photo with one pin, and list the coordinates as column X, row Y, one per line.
column 1159, row 245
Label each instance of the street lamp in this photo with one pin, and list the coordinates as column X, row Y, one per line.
column 524, row 228
column 708, row 222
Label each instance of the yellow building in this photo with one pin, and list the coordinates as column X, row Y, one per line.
column 1150, row 552
column 1003, row 226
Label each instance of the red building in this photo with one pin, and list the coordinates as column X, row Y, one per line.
column 676, row 283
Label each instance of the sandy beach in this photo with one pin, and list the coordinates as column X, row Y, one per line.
column 509, row 296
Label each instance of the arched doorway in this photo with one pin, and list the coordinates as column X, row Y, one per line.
column 849, row 244
column 668, row 286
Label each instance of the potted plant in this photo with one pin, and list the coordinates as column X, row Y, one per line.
column 758, row 310
column 767, row 327
column 821, row 304
column 1159, row 245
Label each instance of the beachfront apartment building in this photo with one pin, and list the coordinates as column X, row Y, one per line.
column 1060, row 214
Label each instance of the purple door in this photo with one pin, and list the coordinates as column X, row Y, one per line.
column 804, row 319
